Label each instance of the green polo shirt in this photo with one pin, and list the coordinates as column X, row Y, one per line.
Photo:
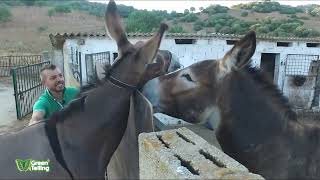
column 47, row 103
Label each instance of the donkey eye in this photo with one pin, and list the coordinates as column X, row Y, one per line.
column 188, row 77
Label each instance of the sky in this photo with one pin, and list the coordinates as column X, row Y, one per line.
column 181, row 5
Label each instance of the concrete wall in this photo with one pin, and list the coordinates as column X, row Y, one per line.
column 181, row 154
column 57, row 58
column 201, row 50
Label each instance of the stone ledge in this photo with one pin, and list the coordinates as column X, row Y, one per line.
column 181, row 154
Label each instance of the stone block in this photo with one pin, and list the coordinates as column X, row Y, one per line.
column 182, row 154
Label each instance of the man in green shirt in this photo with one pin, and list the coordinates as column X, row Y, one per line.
column 56, row 95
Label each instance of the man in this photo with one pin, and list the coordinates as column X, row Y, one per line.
column 55, row 96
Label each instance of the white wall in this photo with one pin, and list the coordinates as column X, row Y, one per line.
column 201, row 50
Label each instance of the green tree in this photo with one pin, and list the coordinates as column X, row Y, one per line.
column 186, row 11
column 142, row 21
column 5, row 14
column 244, row 13
column 189, row 18
column 214, row 9
column 198, row 25
column 176, row 29
column 192, row 9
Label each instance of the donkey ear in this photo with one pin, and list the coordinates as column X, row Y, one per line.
column 114, row 27
column 242, row 51
column 151, row 47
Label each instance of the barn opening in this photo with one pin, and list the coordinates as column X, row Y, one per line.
column 268, row 64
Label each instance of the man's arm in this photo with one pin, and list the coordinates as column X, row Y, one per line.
column 36, row 116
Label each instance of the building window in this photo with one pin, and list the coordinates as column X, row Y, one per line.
column 284, row 44
column 231, row 42
column 313, row 44
column 185, row 41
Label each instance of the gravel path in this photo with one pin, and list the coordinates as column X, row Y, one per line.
column 8, row 117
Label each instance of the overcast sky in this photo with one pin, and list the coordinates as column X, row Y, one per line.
column 180, row 6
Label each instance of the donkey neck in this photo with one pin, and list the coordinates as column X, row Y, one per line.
column 89, row 137
column 250, row 109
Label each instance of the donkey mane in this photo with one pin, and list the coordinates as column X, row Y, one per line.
column 271, row 89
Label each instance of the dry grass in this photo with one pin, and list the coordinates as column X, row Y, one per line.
column 22, row 34
column 29, row 30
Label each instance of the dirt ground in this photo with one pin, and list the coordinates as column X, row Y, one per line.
column 8, row 117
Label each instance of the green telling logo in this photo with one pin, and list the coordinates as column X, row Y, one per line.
column 23, row 165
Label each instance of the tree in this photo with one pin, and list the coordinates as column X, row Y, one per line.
column 186, row 11
column 201, row 9
column 214, row 9
column 192, row 9
column 5, row 14
column 176, row 29
column 28, row 2
column 198, row 25
column 189, row 18
column 244, row 13
column 142, row 21
column 61, row 8
column 124, row 11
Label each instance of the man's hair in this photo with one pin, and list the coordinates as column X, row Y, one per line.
column 46, row 67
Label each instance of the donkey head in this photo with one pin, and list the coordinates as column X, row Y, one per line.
column 133, row 60
column 193, row 93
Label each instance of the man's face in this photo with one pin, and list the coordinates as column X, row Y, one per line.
column 53, row 80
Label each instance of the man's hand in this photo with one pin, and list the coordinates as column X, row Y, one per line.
column 36, row 116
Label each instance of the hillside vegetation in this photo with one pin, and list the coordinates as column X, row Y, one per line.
column 26, row 24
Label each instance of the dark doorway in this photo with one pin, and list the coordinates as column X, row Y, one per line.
column 268, row 64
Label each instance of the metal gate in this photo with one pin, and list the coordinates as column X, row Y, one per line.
column 302, row 70
column 27, row 87
column 92, row 60
column 9, row 62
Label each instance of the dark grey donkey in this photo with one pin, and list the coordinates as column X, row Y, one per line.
column 125, row 161
column 254, row 123
column 78, row 142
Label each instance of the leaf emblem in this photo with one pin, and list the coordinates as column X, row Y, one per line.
column 23, row 165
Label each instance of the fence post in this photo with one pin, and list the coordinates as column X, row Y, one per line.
column 14, row 79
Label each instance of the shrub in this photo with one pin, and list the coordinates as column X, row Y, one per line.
column 189, row 18
column 198, row 25
column 176, row 29
column 214, row 9
column 62, row 8
column 5, row 14
column 244, row 13
column 42, row 28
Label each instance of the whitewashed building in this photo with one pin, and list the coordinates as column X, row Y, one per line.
column 291, row 62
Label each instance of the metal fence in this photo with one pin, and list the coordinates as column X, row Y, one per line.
column 9, row 62
column 92, row 60
column 27, row 87
column 301, row 64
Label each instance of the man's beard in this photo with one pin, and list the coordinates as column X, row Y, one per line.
column 59, row 87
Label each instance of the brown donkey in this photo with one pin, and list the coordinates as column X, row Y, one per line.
column 78, row 142
column 252, row 120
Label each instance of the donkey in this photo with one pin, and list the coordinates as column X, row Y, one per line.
column 252, row 120
column 78, row 141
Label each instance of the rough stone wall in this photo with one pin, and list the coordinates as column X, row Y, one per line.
column 181, row 154
column 308, row 115
column 300, row 97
